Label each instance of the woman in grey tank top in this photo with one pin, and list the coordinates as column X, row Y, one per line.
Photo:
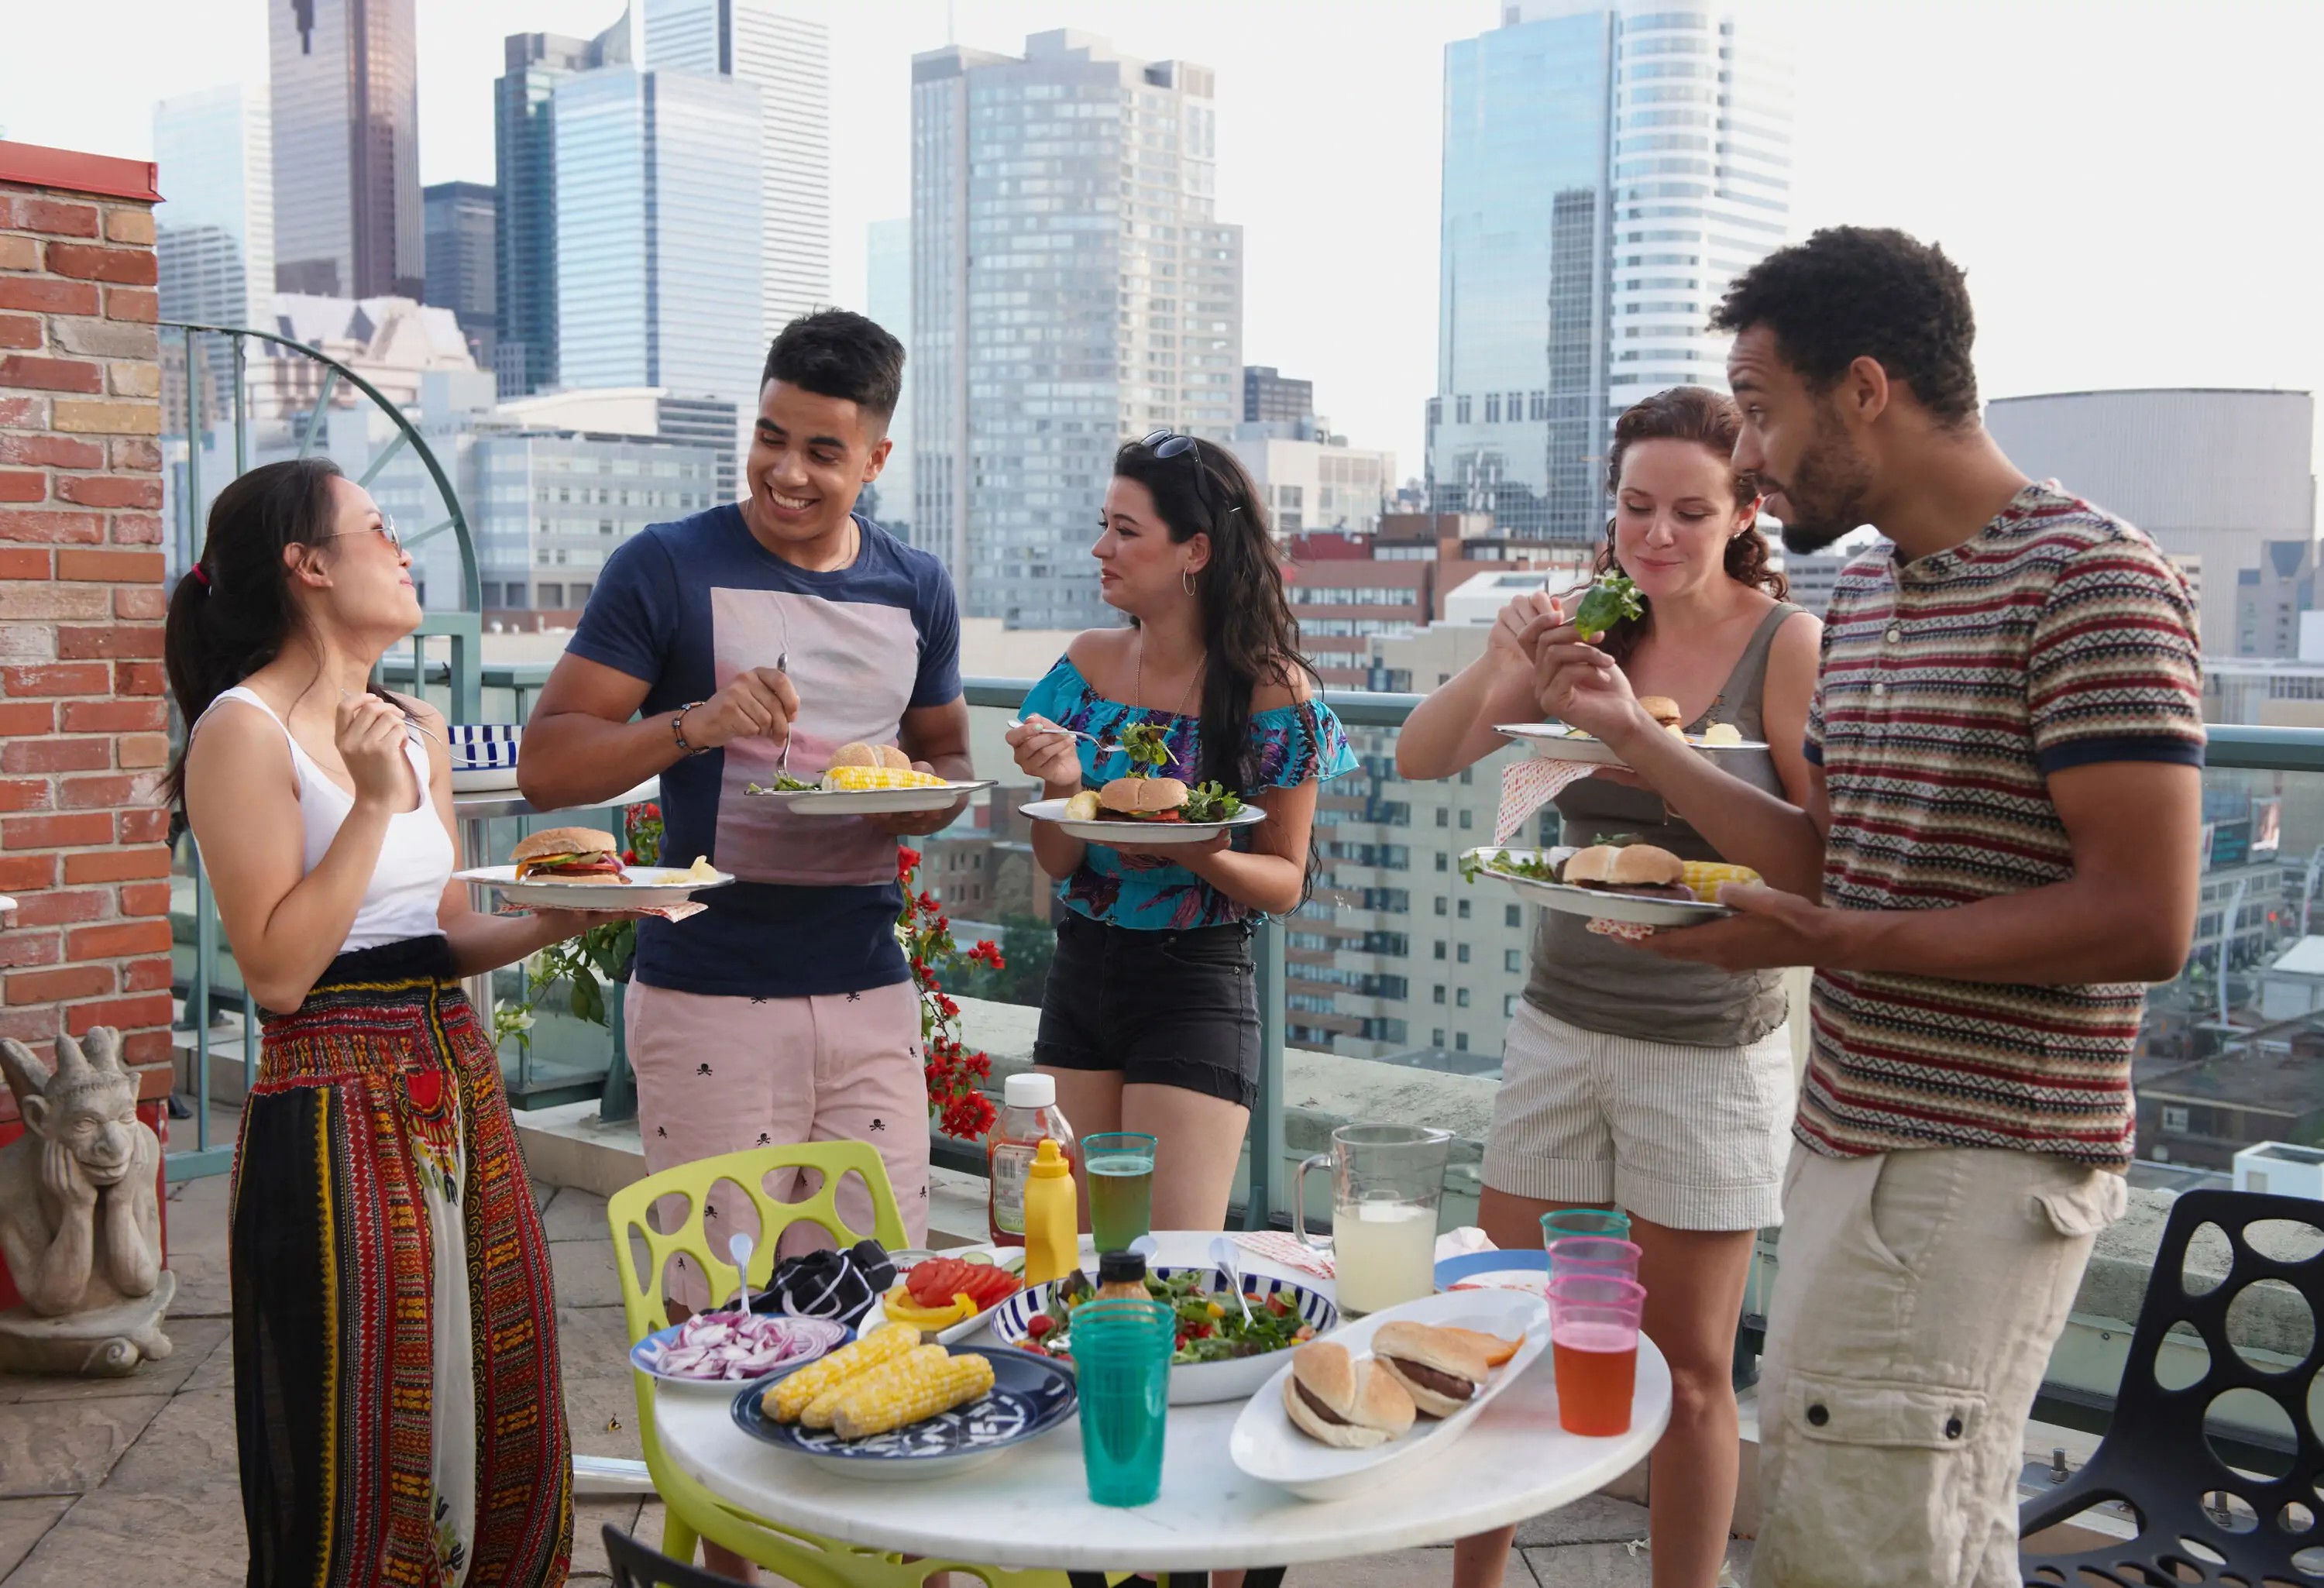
column 1628, row 1079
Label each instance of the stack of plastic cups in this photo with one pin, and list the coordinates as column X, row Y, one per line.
column 1598, row 1256
column 1122, row 1366
column 1559, row 1223
column 1593, row 1333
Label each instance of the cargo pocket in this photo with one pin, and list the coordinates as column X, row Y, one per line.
column 1878, row 1484
column 2086, row 1206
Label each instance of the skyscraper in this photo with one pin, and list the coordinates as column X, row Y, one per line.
column 1071, row 289
column 524, row 146
column 1608, row 170
column 658, row 233
column 1271, row 397
column 888, row 299
column 459, row 220
column 215, row 233
column 788, row 57
column 345, row 93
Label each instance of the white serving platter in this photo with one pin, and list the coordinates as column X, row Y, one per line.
column 875, row 801
column 1556, row 742
column 1593, row 902
column 1140, row 835
column 650, row 887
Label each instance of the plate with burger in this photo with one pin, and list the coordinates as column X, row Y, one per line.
column 867, row 780
column 1167, row 808
column 1556, row 742
column 580, row 868
column 1626, row 887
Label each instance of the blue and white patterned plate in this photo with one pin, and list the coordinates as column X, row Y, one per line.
column 1198, row 1383
column 484, row 756
column 643, row 1353
column 1031, row 1395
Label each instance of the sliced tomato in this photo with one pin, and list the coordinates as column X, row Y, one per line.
column 934, row 1282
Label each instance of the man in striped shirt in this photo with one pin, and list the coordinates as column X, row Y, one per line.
column 1999, row 852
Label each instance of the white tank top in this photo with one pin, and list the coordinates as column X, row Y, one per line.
column 415, row 858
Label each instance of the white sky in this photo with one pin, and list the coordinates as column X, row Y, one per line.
column 2131, row 186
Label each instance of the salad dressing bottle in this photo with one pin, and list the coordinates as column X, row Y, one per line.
column 1029, row 1112
column 1053, row 1246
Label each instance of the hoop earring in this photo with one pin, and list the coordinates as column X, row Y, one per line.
column 1187, row 579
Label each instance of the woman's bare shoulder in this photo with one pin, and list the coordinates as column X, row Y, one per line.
column 1295, row 688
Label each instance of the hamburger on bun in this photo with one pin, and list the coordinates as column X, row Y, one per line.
column 1339, row 1401
column 1441, row 1368
column 1142, row 799
column 584, row 854
column 1628, row 868
column 1664, row 711
column 858, row 754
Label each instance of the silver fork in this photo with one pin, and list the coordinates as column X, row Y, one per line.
column 410, row 722
column 783, row 761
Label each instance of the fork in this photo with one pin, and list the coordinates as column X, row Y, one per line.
column 783, row 761
column 409, row 721
column 1018, row 722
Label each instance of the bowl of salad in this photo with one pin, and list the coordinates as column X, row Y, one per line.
column 1219, row 1355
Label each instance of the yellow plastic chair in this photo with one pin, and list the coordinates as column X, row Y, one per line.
column 690, row 1511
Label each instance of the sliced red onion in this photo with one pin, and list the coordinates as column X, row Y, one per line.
column 731, row 1346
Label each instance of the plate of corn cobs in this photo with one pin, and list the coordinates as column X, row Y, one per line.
column 891, row 1407
column 867, row 780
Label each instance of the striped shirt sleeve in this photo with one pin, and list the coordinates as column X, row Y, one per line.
column 2113, row 669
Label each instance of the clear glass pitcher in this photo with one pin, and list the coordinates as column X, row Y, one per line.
column 1385, row 1183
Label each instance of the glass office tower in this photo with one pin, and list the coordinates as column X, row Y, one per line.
column 345, row 82
column 215, row 233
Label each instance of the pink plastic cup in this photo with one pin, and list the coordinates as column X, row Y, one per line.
column 1600, row 1255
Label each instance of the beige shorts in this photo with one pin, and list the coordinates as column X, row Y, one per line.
column 1689, row 1138
column 1916, row 1301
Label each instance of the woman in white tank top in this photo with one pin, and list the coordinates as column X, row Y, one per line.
column 383, row 1227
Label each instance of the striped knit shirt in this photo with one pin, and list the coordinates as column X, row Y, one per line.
column 1951, row 687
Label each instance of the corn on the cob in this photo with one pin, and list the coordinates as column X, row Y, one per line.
column 1704, row 876
column 854, row 779
column 789, row 1397
column 919, row 1384
column 819, row 1410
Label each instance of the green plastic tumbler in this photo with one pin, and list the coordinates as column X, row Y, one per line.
column 1122, row 1366
column 1561, row 1222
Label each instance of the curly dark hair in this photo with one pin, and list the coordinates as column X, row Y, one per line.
column 1851, row 292
column 1709, row 420
column 833, row 353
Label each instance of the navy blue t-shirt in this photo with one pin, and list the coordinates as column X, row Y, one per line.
column 684, row 607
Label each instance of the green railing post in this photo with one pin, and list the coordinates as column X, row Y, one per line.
column 1266, row 1110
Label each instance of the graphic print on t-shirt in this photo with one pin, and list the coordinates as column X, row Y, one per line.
column 850, row 663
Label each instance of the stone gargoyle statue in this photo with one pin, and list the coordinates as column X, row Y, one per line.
column 79, row 1223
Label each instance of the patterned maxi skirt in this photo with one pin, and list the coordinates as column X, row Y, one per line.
column 397, row 1406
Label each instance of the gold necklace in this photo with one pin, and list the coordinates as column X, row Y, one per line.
column 1140, row 682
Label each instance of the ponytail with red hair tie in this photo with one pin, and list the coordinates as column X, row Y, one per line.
column 201, row 575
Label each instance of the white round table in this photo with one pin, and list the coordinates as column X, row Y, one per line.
column 1031, row 1509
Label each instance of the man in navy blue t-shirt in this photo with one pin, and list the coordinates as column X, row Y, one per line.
column 785, row 1012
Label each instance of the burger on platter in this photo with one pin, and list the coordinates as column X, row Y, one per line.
column 580, row 855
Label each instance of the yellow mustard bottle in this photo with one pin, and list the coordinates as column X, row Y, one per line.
column 1053, row 1245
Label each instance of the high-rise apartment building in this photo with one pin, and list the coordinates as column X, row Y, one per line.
column 888, row 299
column 1268, row 397
column 459, row 221
column 1608, row 170
column 788, row 56
column 525, row 241
column 215, row 233
column 1071, row 287
column 345, row 85
column 657, row 237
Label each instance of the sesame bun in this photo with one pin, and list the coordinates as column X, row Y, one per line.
column 858, row 754
column 1142, row 796
column 1336, row 1401
column 564, row 841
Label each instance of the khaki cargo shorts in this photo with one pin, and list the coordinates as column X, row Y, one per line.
column 1917, row 1299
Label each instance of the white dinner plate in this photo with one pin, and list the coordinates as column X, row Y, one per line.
column 1265, row 1446
column 1147, row 835
column 874, row 801
column 484, row 779
column 650, row 887
column 1595, row 903
column 1556, row 742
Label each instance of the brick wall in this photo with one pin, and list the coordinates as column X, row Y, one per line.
column 83, row 727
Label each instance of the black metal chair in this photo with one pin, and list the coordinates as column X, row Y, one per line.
column 640, row 1566
column 2155, row 1459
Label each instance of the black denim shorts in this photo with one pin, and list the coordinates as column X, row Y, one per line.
column 1165, row 1008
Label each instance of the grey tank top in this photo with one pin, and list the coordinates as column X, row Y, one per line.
column 1601, row 985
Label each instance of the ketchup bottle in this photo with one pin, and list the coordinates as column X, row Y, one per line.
column 1029, row 1112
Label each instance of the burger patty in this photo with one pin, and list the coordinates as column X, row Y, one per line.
column 1139, row 815
column 1317, row 1407
column 1452, row 1386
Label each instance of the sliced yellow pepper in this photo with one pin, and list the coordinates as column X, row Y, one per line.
column 900, row 1308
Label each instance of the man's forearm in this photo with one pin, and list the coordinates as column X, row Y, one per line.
column 1743, row 822
column 573, row 759
column 2081, row 930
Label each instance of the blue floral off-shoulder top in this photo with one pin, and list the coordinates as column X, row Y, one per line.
column 1294, row 744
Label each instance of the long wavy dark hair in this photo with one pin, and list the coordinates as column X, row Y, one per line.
column 1250, row 638
column 1711, row 421
column 233, row 613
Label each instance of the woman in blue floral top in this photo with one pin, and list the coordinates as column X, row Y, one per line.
column 1150, row 1018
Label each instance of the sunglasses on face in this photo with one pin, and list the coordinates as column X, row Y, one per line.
column 386, row 530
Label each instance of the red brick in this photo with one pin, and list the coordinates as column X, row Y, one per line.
column 109, row 491
column 51, row 375
column 144, row 827
column 56, row 755
column 144, row 643
column 97, row 793
column 137, row 529
column 135, row 267
column 29, row 413
column 144, row 1047
column 138, row 677
column 77, row 981
column 26, row 717
column 120, row 937
column 35, row 1026
column 137, row 303
column 52, row 452
column 52, row 529
column 25, row 794
column 117, row 865
column 18, row 486
column 23, row 562
column 126, row 567
column 22, row 949
column 56, row 832
column 16, row 253
column 146, row 975
column 75, row 677
column 23, row 874
column 114, row 716
column 130, row 452
column 145, row 898
column 129, row 223
column 141, row 603
column 66, row 906
column 39, row 601
column 56, row 216
column 42, row 295
column 151, row 1009
column 140, row 750
column 20, row 330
